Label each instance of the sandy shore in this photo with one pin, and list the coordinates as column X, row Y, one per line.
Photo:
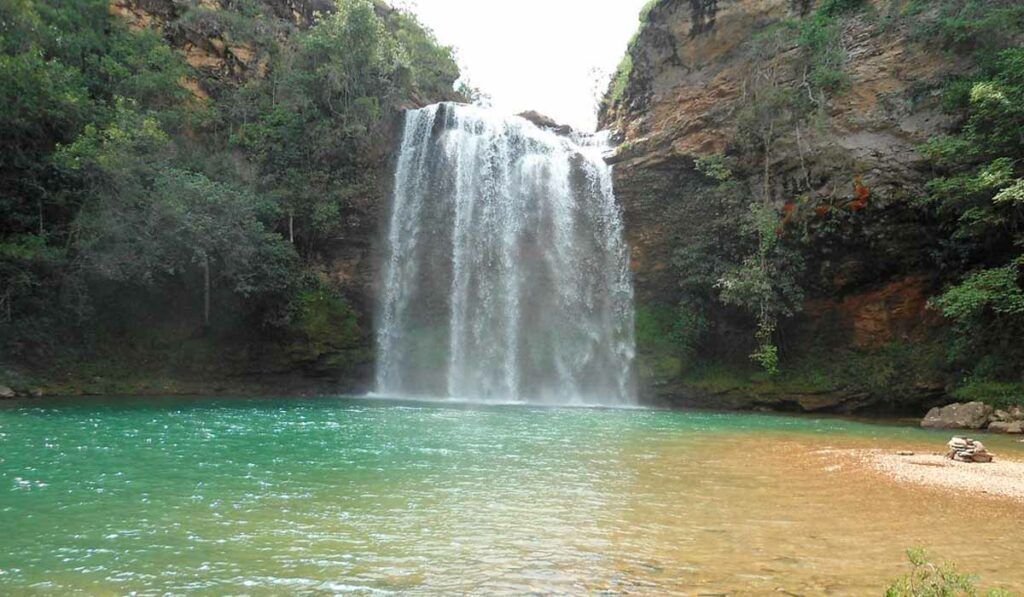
column 1003, row 478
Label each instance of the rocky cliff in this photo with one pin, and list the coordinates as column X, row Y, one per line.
column 842, row 178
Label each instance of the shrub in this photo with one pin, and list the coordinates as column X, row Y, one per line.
column 928, row 579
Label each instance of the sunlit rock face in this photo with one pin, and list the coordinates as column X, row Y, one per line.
column 867, row 282
column 506, row 276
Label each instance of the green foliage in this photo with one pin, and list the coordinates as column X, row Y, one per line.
column 995, row 291
column 977, row 199
column 311, row 128
column 767, row 353
column 928, row 579
column 64, row 67
column 819, row 38
column 668, row 338
column 620, row 80
column 243, row 25
column 664, row 341
column 152, row 224
column 654, row 326
column 714, row 167
column 744, row 258
column 894, row 369
column 818, row 367
column 996, row 394
column 119, row 189
column 324, row 327
column 979, row 27
column 624, row 71
column 832, row 8
column 433, row 66
column 765, row 283
column 645, row 11
column 820, row 65
column 744, row 261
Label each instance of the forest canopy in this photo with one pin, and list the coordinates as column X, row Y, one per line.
column 136, row 188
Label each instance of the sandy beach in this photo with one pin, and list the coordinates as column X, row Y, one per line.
column 1002, row 478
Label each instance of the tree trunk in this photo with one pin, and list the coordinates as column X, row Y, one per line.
column 291, row 227
column 206, row 294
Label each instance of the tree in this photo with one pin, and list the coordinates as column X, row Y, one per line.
column 153, row 224
column 979, row 200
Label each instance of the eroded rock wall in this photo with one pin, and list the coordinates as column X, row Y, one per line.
column 868, row 276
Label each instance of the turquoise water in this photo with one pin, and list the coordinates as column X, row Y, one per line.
column 266, row 496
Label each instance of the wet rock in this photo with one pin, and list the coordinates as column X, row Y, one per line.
column 6, row 392
column 1012, row 427
column 972, row 415
column 965, row 449
column 546, row 122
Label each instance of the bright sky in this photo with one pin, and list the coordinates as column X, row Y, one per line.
column 539, row 55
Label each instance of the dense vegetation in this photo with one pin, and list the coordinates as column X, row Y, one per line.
column 146, row 203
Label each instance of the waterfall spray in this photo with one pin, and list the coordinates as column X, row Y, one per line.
column 507, row 275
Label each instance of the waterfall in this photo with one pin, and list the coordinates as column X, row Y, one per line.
column 506, row 274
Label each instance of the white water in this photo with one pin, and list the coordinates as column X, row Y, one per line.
column 507, row 276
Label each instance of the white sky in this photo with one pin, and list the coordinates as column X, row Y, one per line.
column 535, row 54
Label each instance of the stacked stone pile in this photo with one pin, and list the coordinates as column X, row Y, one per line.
column 965, row 449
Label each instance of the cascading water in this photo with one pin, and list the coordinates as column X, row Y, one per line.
column 507, row 275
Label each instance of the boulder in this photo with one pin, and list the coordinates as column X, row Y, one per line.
column 1000, row 415
column 1016, row 413
column 1006, row 427
column 546, row 122
column 6, row 392
column 972, row 415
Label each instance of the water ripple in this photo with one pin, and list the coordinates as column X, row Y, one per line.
column 337, row 496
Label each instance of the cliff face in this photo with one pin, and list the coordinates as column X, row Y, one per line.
column 844, row 177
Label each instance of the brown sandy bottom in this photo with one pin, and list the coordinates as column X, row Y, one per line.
column 793, row 514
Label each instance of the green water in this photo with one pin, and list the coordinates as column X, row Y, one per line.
column 336, row 495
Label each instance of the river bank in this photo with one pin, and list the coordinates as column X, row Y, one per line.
column 1002, row 478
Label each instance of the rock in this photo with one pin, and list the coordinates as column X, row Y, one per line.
column 693, row 69
column 1000, row 415
column 6, row 392
column 965, row 449
column 1017, row 413
column 546, row 122
column 972, row 415
column 1014, row 427
column 904, row 453
column 36, row 392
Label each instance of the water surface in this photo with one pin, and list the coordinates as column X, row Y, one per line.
column 336, row 495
